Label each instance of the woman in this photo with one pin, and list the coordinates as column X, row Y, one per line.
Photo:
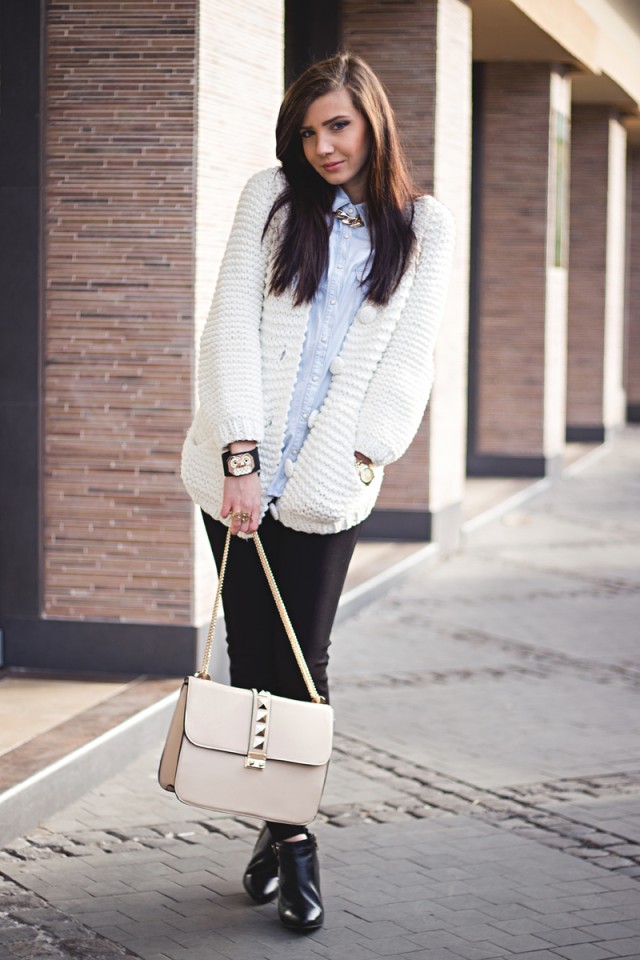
column 315, row 368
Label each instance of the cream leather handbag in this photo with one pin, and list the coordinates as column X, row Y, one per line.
column 247, row 752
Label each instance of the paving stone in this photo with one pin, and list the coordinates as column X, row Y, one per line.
column 609, row 931
column 538, row 955
column 625, row 947
column 584, row 951
column 392, row 946
column 441, row 953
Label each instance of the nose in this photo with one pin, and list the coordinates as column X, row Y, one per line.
column 324, row 145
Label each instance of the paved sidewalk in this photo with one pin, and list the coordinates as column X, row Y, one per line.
column 484, row 797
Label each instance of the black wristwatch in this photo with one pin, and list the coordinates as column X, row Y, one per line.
column 241, row 464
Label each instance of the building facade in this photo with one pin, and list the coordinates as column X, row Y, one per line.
column 128, row 131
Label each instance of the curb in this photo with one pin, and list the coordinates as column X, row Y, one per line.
column 24, row 805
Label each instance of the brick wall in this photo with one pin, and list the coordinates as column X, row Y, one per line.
column 588, row 266
column 118, row 308
column 596, row 268
column 514, row 184
column 633, row 286
column 398, row 40
column 399, row 43
column 422, row 53
column 143, row 171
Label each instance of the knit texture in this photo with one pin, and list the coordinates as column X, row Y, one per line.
column 249, row 357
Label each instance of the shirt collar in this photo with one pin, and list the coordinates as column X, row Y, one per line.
column 341, row 201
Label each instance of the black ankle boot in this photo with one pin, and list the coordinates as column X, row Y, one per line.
column 299, row 901
column 260, row 879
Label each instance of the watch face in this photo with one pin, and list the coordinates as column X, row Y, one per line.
column 240, row 464
column 366, row 472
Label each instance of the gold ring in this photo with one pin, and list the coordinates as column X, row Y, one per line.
column 241, row 517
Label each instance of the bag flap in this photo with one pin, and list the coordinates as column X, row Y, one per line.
column 218, row 717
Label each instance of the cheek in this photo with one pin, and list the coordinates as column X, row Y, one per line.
column 306, row 148
column 360, row 145
column 366, row 143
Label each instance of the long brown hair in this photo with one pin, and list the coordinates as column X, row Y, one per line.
column 303, row 250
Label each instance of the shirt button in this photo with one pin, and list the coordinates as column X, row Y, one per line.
column 323, row 339
column 346, row 236
column 339, row 266
column 314, row 379
column 332, row 302
column 350, row 209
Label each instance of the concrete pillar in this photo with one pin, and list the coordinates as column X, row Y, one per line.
column 595, row 396
column 518, row 331
column 421, row 50
column 632, row 351
column 239, row 89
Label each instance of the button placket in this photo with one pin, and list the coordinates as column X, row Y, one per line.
column 326, row 334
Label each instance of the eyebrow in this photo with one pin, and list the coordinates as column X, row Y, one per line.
column 325, row 123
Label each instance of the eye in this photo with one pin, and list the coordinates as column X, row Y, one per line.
column 340, row 124
column 305, row 134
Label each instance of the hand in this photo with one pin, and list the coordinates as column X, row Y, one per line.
column 242, row 495
column 361, row 457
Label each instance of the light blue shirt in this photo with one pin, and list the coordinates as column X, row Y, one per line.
column 337, row 300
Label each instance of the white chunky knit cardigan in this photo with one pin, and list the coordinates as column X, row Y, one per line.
column 249, row 356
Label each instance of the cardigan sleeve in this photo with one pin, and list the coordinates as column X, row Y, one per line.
column 229, row 364
column 399, row 389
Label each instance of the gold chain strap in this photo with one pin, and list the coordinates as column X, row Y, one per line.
column 204, row 669
column 284, row 616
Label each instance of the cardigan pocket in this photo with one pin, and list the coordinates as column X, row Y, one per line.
column 325, row 486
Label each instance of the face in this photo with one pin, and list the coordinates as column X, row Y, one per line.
column 336, row 142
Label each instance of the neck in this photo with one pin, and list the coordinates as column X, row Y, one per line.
column 356, row 194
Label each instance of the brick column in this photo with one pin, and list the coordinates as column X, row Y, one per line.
column 518, row 343
column 595, row 398
column 421, row 50
column 131, row 220
column 632, row 372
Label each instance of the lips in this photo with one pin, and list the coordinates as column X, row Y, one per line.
column 329, row 167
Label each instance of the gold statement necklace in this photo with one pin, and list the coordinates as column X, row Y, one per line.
column 355, row 221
